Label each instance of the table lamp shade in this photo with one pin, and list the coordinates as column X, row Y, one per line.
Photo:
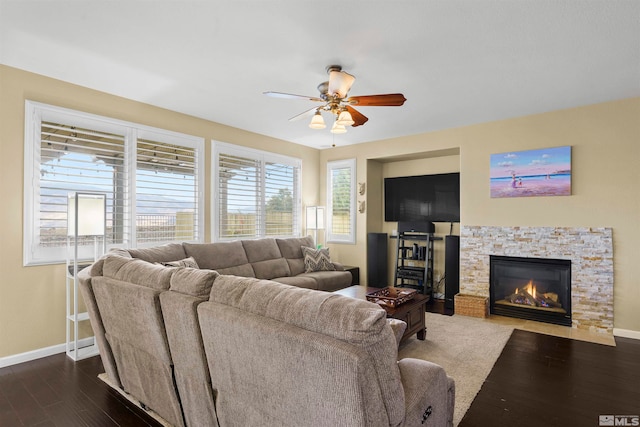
column 89, row 209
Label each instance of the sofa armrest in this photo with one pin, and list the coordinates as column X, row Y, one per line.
column 428, row 391
column 106, row 353
column 338, row 266
column 398, row 327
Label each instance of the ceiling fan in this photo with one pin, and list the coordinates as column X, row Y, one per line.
column 333, row 97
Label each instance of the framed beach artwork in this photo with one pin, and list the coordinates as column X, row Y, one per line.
column 545, row 172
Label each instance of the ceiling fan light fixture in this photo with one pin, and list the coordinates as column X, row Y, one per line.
column 337, row 128
column 317, row 122
column 345, row 118
column 334, row 100
column 340, row 83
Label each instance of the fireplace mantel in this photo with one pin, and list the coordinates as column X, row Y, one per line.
column 590, row 251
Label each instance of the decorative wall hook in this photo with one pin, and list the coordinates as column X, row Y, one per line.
column 362, row 187
column 361, row 206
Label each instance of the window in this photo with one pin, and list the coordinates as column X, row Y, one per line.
column 341, row 201
column 152, row 179
column 257, row 194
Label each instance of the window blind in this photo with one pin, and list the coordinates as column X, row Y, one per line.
column 239, row 196
column 166, row 192
column 152, row 180
column 77, row 159
column 257, row 193
column 341, row 201
column 279, row 191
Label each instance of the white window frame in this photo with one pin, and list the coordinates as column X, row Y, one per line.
column 264, row 157
column 350, row 237
column 35, row 113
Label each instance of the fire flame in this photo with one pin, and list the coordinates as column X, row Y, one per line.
column 530, row 289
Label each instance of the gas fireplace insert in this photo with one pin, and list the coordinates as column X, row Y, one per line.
column 531, row 288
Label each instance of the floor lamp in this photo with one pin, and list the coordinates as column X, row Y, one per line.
column 86, row 222
column 315, row 221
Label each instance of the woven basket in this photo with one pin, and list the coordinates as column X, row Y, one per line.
column 471, row 305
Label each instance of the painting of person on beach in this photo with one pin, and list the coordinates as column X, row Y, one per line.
column 545, row 172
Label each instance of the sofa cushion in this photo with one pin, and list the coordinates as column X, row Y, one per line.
column 296, row 266
column 270, row 373
column 224, row 257
column 265, row 258
column 261, row 249
column 133, row 314
column 194, row 282
column 138, row 272
column 244, row 270
column 271, row 268
column 344, row 318
column 120, row 252
column 135, row 331
column 329, row 280
column 300, row 281
column 292, row 247
column 187, row 352
column 357, row 322
column 187, row 262
column 317, row 259
column 96, row 268
column 162, row 253
column 291, row 250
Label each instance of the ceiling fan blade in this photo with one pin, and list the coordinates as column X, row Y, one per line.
column 340, row 83
column 386, row 100
column 358, row 117
column 292, row 96
column 310, row 112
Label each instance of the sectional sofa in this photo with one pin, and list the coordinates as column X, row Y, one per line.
column 242, row 340
column 281, row 260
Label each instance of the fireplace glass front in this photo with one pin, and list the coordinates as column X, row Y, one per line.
column 531, row 288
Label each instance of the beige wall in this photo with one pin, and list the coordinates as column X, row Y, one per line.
column 32, row 299
column 605, row 140
column 606, row 182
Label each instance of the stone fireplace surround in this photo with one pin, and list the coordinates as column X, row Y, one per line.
column 590, row 251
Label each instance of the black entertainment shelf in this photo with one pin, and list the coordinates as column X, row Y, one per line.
column 414, row 256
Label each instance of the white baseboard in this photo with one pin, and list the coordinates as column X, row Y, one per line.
column 61, row 348
column 40, row 353
column 626, row 333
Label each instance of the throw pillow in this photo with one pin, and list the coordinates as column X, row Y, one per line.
column 317, row 259
column 187, row 262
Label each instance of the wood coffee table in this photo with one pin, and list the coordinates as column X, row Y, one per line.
column 411, row 312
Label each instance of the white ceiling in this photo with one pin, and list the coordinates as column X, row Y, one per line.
column 457, row 62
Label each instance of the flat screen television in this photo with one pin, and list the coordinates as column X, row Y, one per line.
column 434, row 198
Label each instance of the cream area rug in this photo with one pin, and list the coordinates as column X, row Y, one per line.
column 466, row 347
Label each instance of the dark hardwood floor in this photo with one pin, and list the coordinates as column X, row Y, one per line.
column 538, row 380
column 541, row 380
column 54, row 391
